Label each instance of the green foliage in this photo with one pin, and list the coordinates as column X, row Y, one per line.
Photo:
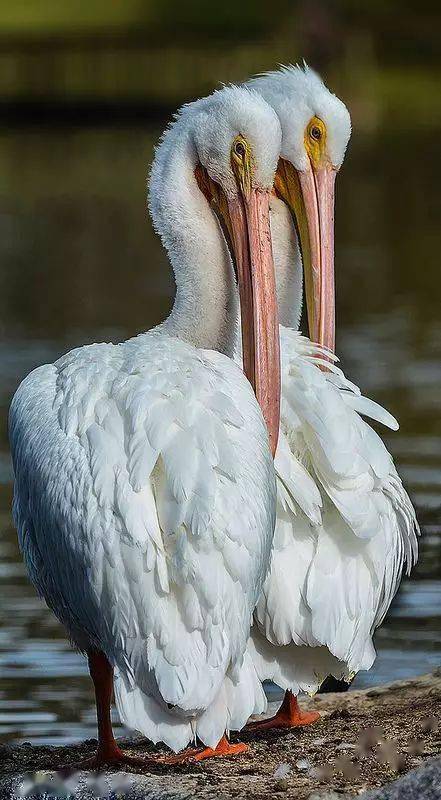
column 246, row 18
column 228, row 18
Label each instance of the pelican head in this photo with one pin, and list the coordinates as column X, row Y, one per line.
column 238, row 142
column 234, row 140
column 316, row 128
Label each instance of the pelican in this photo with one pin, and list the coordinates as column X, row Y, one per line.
column 145, row 488
column 345, row 527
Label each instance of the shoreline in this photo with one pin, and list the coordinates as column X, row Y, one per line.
column 364, row 739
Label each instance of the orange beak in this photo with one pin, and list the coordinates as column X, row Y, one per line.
column 310, row 196
column 251, row 243
column 245, row 223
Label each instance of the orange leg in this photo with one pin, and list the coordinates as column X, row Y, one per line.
column 108, row 751
column 289, row 715
column 223, row 750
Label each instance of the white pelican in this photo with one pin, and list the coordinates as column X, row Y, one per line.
column 144, row 484
column 345, row 525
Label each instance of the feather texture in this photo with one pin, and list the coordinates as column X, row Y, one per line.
column 345, row 528
column 134, row 466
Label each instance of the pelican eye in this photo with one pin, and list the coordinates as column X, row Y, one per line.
column 315, row 140
column 242, row 163
column 239, row 149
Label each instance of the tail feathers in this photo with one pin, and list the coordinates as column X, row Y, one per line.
column 245, row 698
column 341, row 591
column 141, row 712
column 234, row 705
column 293, row 667
column 235, row 702
column 369, row 655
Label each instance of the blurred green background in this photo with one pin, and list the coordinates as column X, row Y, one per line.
column 158, row 53
column 85, row 90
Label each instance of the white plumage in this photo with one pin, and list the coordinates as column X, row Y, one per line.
column 345, row 526
column 134, row 466
column 144, row 484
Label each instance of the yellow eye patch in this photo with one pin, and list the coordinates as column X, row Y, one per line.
column 242, row 164
column 240, row 149
column 315, row 140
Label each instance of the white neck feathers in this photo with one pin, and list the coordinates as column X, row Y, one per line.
column 205, row 310
column 288, row 264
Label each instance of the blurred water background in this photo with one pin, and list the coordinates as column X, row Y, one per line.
column 85, row 91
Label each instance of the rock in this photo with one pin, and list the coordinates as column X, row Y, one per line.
column 423, row 783
column 303, row 764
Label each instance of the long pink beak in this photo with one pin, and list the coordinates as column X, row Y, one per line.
column 317, row 186
column 251, row 240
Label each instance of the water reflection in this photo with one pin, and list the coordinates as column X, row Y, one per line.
column 79, row 263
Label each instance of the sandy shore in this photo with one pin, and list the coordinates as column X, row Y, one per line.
column 364, row 739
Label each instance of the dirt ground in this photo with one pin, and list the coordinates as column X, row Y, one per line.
column 363, row 739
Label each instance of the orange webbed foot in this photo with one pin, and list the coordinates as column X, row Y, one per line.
column 223, row 750
column 289, row 715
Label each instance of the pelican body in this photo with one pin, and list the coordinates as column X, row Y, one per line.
column 345, row 527
column 145, row 489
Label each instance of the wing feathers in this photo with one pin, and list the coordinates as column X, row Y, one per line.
column 138, row 462
column 345, row 525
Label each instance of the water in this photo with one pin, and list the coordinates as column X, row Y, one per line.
column 79, row 263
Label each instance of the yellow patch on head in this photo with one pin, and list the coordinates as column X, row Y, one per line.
column 242, row 164
column 315, row 141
